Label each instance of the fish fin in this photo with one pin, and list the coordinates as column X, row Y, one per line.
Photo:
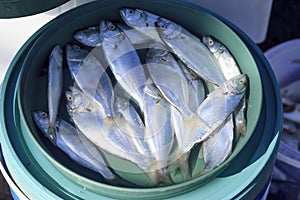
column 51, row 133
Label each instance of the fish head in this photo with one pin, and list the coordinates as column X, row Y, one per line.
column 41, row 119
column 167, row 28
column 108, row 29
column 74, row 98
column 134, row 17
column 75, row 53
column 77, row 101
column 89, row 37
column 75, row 56
column 211, row 43
column 237, row 84
column 56, row 55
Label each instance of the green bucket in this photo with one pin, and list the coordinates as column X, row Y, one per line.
column 44, row 172
column 19, row 8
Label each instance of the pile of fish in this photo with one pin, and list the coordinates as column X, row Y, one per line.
column 147, row 91
column 291, row 107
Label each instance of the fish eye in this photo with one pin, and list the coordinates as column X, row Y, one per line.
column 241, row 81
column 69, row 98
column 112, row 27
column 44, row 114
column 162, row 26
column 210, row 42
column 77, row 48
column 130, row 11
column 85, row 31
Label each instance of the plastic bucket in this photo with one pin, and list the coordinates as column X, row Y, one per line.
column 14, row 190
column 286, row 179
column 12, row 9
column 40, row 174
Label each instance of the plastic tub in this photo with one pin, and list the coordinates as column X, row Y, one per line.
column 40, row 174
column 284, row 59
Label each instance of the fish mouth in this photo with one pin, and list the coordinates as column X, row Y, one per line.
column 103, row 25
column 78, row 36
column 123, row 13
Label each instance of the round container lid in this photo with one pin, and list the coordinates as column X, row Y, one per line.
column 19, row 8
column 285, row 61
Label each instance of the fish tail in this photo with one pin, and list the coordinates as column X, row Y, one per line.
column 184, row 166
column 164, row 177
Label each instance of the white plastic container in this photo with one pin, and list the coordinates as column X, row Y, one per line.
column 250, row 16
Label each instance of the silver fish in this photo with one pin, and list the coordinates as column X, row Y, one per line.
column 159, row 134
column 230, row 69
column 131, row 123
column 55, row 85
column 218, row 146
column 225, row 59
column 91, row 77
column 169, row 79
column 159, row 131
column 104, row 132
column 198, row 58
column 142, row 21
column 74, row 144
column 75, row 57
column 123, row 61
column 213, row 111
column 89, row 36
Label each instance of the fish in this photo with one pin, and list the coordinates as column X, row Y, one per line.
column 75, row 56
column 224, row 57
column 104, row 132
column 55, row 86
column 131, row 123
column 213, row 111
column 89, row 37
column 142, row 21
column 230, row 69
column 218, row 146
column 168, row 78
column 90, row 75
column 190, row 50
column 159, row 133
column 123, row 61
column 197, row 86
column 75, row 145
